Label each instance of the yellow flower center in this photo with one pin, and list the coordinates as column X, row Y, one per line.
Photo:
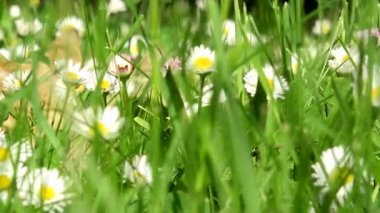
column 134, row 50
column 105, row 85
column 5, row 182
column 271, row 84
column 345, row 58
column 375, row 94
column 295, row 67
column 325, row 28
column 79, row 88
column 342, row 174
column 47, row 193
column 71, row 77
column 101, row 128
column 4, row 153
column 69, row 27
column 226, row 31
column 203, row 63
column 18, row 84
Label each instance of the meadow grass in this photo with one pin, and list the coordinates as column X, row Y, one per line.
column 248, row 153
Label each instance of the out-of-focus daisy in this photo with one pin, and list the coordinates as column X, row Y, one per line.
column 202, row 60
column 120, row 65
column 277, row 84
column 69, row 24
column 321, row 27
column 139, row 172
column 116, row 6
column 295, row 63
column 70, row 71
column 106, row 123
column 5, row 53
column 375, row 92
column 45, row 188
column 334, row 172
column 252, row 39
column 135, row 45
column 108, row 83
column 229, row 32
column 24, row 27
column 15, row 81
column 6, row 177
column 201, row 4
column 251, row 79
column 208, row 92
column 24, row 50
column 14, row 11
column 18, row 152
column 343, row 61
column 173, row 64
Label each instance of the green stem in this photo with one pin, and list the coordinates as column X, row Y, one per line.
column 203, row 77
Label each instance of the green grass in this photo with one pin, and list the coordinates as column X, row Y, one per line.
column 247, row 154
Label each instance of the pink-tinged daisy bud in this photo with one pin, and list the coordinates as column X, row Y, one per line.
column 121, row 65
column 173, row 64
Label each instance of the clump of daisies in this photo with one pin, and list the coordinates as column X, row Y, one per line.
column 139, row 171
column 344, row 61
column 333, row 173
column 15, row 81
column 26, row 27
column 70, row 24
column 278, row 85
column 91, row 122
column 201, row 60
column 45, row 188
column 12, row 159
column 71, row 79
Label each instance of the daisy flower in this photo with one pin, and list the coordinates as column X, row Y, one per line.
column 70, row 72
column 251, row 79
column 139, row 172
column 375, row 91
column 229, row 32
column 24, row 27
column 252, row 39
column 7, row 173
column 201, row 4
column 343, row 61
column 107, row 123
column 44, row 188
column 116, row 6
column 108, row 83
column 24, row 50
column 18, row 152
column 70, row 23
column 295, row 63
column 15, row 81
column 202, row 60
column 120, row 65
column 277, row 84
column 14, row 11
column 334, row 170
column 134, row 45
column 6, row 177
column 321, row 27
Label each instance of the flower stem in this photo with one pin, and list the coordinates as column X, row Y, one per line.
column 203, row 77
